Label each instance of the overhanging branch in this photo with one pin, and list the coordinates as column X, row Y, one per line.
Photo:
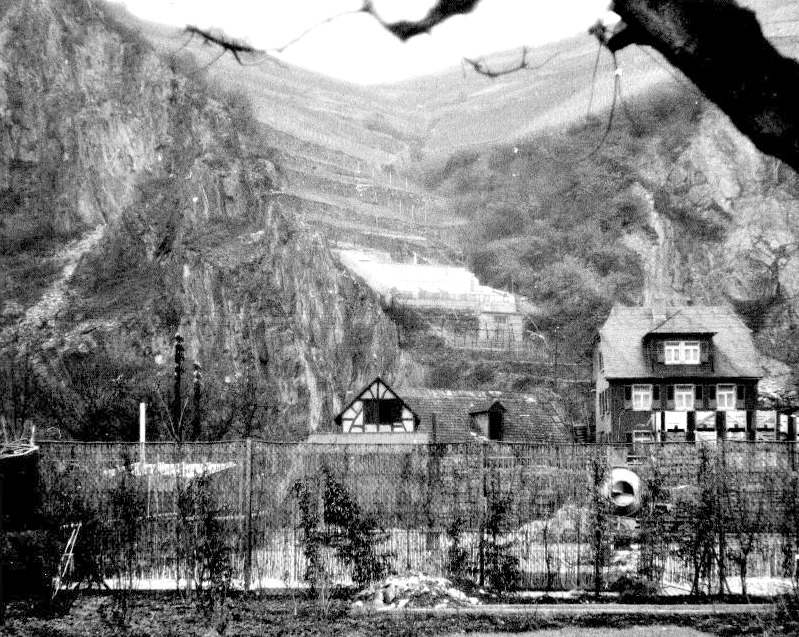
column 440, row 12
column 720, row 46
column 523, row 65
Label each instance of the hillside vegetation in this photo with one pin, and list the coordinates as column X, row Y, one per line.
column 547, row 215
column 180, row 190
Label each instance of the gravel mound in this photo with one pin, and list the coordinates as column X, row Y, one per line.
column 413, row 591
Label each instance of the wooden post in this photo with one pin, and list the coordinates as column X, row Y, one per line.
column 176, row 401
column 142, row 433
column 484, row 514
column 2, row 559
column 721, row 425
column 751, row 426
column 248, row 516
column 598, row 557
column 196, row 420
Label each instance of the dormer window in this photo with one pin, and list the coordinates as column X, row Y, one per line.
column 489, row 421
column 681, row 352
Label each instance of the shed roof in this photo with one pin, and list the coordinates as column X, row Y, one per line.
column 625, row 328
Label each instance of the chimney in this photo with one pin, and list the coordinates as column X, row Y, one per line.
column 658, row 309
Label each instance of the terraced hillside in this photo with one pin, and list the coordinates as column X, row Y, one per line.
column 344, row 151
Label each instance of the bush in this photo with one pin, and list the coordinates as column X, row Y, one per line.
column 502, row 568
column 633, row 589
column 348, row 531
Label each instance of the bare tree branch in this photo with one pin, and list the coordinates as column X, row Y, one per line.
column 524, row 65
column 227, row 44
column 439, row 12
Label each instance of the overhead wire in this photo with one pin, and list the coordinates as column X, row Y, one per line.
column 593, row 79
column 605, row 134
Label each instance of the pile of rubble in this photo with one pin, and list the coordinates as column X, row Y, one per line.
column 413, row 591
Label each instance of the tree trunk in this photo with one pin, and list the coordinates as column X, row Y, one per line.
column 719, row 45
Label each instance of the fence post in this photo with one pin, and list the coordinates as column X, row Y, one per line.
column 483, row 513
column 2, row 561
column 248, row 515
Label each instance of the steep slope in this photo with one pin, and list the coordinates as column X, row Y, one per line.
column 99, row 131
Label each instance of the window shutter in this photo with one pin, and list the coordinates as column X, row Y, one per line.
column 741, row 392
column 711, row 392
column 628, row 393
column 704, row 349
column 698, row 392
column 655, row 393
column 670, row 392
column 661, row 352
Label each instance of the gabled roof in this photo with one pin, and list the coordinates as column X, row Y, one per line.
column 490, row 405
column 376, row 388
column 622, row 335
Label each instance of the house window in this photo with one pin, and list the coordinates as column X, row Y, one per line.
column 725, row 397
column 500, row 320
column 642, row 397
column 684, row 397
column 681, row 352
column 382, row 412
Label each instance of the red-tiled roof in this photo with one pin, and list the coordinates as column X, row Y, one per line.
column 622, row 334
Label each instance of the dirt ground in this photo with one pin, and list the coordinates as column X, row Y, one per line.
column 169, row 615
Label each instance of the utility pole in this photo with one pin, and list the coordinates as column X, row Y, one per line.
column 176, row 401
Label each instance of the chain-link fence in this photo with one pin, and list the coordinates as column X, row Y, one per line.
column 548, row 515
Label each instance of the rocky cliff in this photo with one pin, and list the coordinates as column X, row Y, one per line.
column 138, row 201
column 723, row 226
